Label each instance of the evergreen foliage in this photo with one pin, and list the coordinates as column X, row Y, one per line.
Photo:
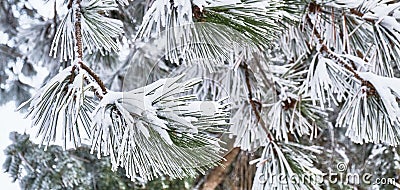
column 72, row 169
column 174, row 89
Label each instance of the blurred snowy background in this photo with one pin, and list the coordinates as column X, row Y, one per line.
column 11, row 120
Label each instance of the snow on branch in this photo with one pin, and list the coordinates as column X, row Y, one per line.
column 326, row 81
column 99, row 32
column 61, row 109
column 158, row 130
column 248, row 135
column 293, row 115
column 373, row 118
column 206, row 44
column 383, row 17
column 258, row 20
column 283, row 166
column 165, row 15
column 389, row 92
column 227, row 25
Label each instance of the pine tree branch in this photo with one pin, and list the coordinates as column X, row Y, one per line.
column 324, row 49
column 26, row 161
column 79, row 158
column 360, row 14
column 78, row 31
column 55, row 15
column 254, row 104
column 79, row 46
column 70, row 4
column 95, row 77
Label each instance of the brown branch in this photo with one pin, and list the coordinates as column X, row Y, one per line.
column 324, row 49
column 78, row 32
column 360, row 14
column 254, row 104
column 217, row 175
column 70, row 4
column 72, row 78
column 94, row 76
column 348, row 66
column 78, row 38
column 197, row 14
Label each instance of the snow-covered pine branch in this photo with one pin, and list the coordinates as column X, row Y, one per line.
column 294, row 115
column 326, row 81
column 287, row 166
column 134, row 127
column 159, row 118
column 99, row 33
column 223, row 24
column 61, row 109
column 370, row 116
column 373, row 118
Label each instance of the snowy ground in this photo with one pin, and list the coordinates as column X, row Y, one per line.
column 10, row 121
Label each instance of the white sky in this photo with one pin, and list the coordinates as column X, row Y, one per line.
column 10, row 121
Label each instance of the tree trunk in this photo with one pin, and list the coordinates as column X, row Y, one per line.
column 217, row 175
